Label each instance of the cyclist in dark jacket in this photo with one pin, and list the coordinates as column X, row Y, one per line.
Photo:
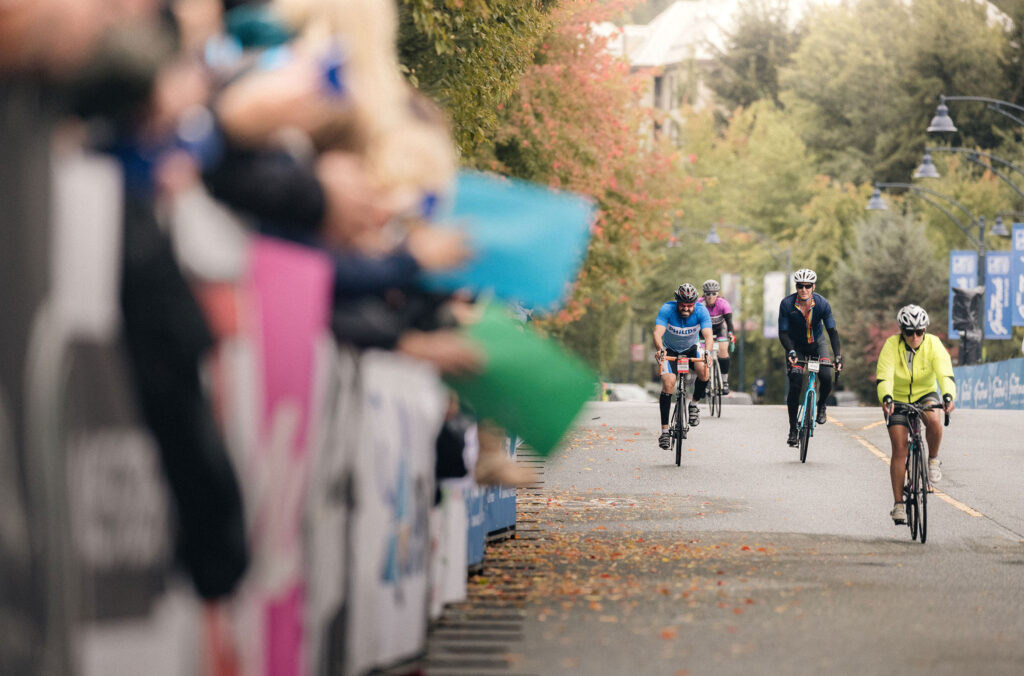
column 804, row 318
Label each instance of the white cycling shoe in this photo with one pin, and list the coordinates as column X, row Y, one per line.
column 934, row 470
column 899, row 513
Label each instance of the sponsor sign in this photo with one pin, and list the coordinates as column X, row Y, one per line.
column 997, row 296
column 997, row 385
column 1017, row 276
column 963, row 274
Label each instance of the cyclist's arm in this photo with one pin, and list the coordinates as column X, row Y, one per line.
column 659, row 332
column 833, row 338
column 706, row 331
column 728, row 321
column 943, row 367
column 709, row 339
column 787, row 342
column 885, row 370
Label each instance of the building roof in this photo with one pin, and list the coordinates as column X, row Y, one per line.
column 685, row 30
column 690, row 29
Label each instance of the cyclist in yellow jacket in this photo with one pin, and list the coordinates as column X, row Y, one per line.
column 913, row 366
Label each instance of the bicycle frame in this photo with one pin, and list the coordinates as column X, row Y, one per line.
column 679, row 422
column 916, row 483
column 806, row 416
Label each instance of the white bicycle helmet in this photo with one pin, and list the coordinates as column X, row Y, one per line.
column 805, row 276
column 912, row 317
column 711, row 286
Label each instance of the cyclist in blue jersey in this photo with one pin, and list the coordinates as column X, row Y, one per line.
column 680, row 325
column 804, row 318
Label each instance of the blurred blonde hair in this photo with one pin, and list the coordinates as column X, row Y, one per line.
column 404, row 137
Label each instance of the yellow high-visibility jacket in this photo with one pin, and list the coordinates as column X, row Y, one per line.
column 932, row 366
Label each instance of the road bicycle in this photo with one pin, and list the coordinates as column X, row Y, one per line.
column 806, row 415
column 679, row 421
column 716, row 383
column 916, row 485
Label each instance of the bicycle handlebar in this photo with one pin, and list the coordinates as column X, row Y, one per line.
column 919, row 408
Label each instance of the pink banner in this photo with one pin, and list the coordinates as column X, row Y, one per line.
column 292, row 294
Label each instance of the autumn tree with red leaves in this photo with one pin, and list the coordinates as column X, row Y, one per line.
column 577, row 124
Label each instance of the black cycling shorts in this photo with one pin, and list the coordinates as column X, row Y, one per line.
column 899, row 418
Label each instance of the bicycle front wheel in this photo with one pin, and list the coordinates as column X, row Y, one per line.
column 805, row 425
column 716, row 396
column 681, row 422
column 913, row 491
column 922, row 495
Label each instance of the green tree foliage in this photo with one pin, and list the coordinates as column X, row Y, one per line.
column 468, row 55
column 865, row 80
column 761, row 43
column 891, row 263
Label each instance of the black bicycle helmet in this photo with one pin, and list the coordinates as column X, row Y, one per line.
column 686, row 293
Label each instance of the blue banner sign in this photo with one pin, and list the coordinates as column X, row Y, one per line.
column 994, row 385
column 1017, row 275
column 997, row 296
column 963, row 274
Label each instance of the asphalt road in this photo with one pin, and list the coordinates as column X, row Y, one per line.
column 745, row 561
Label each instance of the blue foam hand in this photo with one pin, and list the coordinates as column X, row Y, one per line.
column 528, row 241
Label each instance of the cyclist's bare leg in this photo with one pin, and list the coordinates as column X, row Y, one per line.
column 723, row 349
column 702, row 370
column 898, row 465
column 933, row 431
column 668, row 383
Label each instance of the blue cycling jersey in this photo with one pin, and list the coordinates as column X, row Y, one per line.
column 682, row 334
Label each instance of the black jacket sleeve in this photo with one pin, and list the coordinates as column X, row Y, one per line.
column 270, row 186
column 833, row 337
column 787, row 342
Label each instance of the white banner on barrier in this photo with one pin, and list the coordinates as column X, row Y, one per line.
column 774, row 291
column 393, row 489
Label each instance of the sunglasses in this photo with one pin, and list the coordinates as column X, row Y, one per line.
column 804, row 286
column 916, row 332
column 688, row 306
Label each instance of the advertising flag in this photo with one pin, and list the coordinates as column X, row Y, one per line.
column 1017, row 276
column 997, row 296
column 963, row 274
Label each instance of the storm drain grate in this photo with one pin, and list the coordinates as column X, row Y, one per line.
column 483, row 636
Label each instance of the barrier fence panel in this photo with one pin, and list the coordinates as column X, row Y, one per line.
column 996, row 385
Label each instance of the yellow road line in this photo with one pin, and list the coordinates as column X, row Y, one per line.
column 935, row 491
column 874, row 424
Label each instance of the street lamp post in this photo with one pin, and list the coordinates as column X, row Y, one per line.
column 714, row 238
column 876, row 203
column 942, row 122
column 927, row 167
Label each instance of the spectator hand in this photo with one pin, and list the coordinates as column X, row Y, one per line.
column 437, row 248
column 450, row 352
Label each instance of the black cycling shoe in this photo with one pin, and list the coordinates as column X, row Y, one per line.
column 725, row 388
column 822, row 418
column 664, row 440
column 794, row 437
column 694, row 414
